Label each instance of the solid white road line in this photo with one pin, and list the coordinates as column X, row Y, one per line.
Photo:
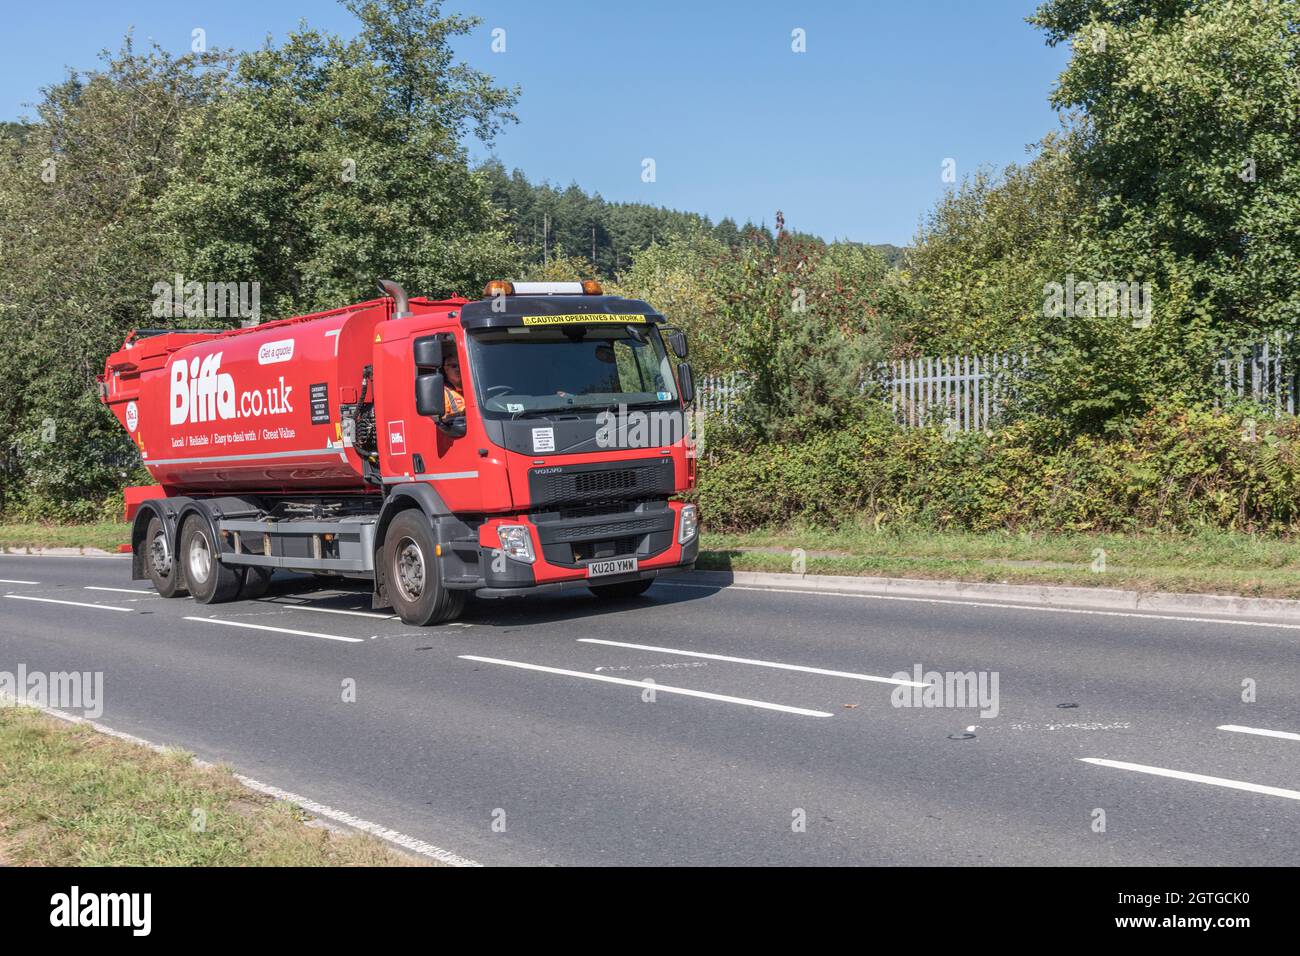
column 626, row 682
column 1280, row 734
column 747, row 660
column 14, row 581
column 332, row 610
column 356, row 823
column 91, row 587
column 102, row 607
column 1196, row 778
column 992, row 604
column 278, row 630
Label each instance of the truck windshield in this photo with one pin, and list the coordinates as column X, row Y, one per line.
column 521, row 371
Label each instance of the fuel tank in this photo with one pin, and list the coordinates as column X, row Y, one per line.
column 250, row 410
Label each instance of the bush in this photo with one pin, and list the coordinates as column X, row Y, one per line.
column 1175, row 469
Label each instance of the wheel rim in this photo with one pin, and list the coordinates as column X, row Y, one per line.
column 409, row 569
column 200, row 558
column 160, row 556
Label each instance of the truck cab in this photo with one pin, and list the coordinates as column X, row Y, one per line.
column 564, row 458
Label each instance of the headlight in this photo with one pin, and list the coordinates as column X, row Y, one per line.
column 516, row 542
column 690, row 524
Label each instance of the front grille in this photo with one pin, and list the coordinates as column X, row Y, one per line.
column 614, row 548
column 605, row 530
column 589, row 484
column 604, row 482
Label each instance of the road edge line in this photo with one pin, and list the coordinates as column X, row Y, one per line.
column 341, row 819
column 1283, row 609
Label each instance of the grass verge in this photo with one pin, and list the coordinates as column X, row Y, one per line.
column 1214, row 562
column 1211, row 562
column 70, row 796
column 105, row 535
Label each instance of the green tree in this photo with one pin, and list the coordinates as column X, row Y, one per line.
column 332, row 162
column 976, row 273
column 549, row 222
column 1187, row 137
column 79, row 253
column 803, row 321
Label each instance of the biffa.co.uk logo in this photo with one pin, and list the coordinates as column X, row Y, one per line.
column 201, row 392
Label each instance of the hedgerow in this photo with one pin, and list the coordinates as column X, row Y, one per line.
column 1175, row 469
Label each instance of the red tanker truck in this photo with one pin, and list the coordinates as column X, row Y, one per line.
column 325, row 444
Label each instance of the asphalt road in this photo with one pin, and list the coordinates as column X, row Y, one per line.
column 575, row 759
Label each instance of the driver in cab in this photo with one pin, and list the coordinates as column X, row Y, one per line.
column 453, row 392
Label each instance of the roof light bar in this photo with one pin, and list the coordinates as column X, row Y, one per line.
column 504, row 287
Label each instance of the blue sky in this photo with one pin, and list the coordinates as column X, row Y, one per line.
column 847, row 139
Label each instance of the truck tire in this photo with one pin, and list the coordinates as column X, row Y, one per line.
column 621, row 591
column 210, row 581
column 256, row 581
column 163, row 568
column 413, row 576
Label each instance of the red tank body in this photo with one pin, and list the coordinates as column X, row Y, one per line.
column 252, row 409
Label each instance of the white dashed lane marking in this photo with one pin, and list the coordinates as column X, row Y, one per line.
column 1259, row 731
column 1196, row 778
column 803, row 669
column 332, row 610
column 658, row 688
column 101, row 607
column 277, row 630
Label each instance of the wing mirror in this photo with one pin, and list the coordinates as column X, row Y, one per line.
column 431, row 403
column 677, row 342
column 428, row 394
column 686, row 382
column 429, row 353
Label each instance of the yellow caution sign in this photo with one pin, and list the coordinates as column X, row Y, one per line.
column 601, row 318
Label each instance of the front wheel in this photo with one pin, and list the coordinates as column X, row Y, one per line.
column 413, row 578
column 621, row 591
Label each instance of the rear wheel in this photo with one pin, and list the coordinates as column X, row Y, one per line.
column 209, row 581
column 413, row 577
column 621, row 591
column 159, row 561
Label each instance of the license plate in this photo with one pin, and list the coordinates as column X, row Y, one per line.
column 598, row 569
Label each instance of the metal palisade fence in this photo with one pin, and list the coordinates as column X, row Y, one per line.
column 965, row 392
column 1265, row 372
column 970, row 392
column 719, row 394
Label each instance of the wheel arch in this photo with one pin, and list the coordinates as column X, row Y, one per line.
column 171, row 512
column 404, row 497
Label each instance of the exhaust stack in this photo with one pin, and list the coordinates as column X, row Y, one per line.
column 391, row 288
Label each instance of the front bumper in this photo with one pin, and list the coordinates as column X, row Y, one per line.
column 564, row 544
column 495, row 592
